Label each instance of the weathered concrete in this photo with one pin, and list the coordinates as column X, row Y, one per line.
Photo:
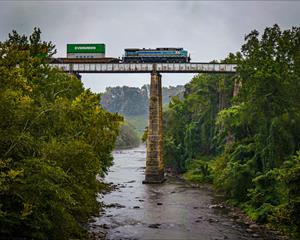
column 154, row 165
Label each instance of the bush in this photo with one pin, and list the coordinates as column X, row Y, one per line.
column 199, row 171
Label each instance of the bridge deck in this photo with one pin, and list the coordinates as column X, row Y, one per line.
column 146, row 67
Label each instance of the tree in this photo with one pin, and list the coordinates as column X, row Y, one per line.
column 264, row 121
column 55, row 138
column 190, row 124
column 252, row 134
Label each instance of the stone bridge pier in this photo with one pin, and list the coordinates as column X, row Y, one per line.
column 155, row 165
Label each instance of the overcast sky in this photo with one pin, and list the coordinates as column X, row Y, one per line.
column 208, row 30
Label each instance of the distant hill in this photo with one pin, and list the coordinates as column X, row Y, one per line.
column 132, row 103
column 128, row 101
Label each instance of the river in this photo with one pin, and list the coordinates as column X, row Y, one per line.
column 172, row 210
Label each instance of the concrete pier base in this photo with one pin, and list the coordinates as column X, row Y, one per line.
column 154, row 165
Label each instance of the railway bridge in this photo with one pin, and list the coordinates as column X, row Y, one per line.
column 154, row 165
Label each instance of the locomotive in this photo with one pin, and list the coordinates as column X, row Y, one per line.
column 157, row 55
column 95, row 52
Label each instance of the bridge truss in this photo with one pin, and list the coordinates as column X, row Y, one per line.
column 146, row 67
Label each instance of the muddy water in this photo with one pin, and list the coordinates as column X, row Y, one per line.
column 172, row 210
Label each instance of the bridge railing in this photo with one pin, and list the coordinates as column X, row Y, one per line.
column 195, row 67
column 145, row 67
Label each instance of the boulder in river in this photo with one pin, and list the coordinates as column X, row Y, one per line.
column 155, row 225
column 132, row 181
column 114, row 205
column 216, row 206
column 253, row 226
column 104, row 226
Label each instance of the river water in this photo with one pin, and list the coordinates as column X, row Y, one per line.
column 172, row 210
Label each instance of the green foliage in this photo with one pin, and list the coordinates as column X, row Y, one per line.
column 55, row 138
column 264, row 121
column 286, row 215
column 199, row 171
column 128, row 138
column 253, row 135
column 234, row 178
column 173, row 156
column 190, row 124
column 145, row 135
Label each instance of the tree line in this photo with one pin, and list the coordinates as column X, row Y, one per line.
column 55, row 140
column 241, row 132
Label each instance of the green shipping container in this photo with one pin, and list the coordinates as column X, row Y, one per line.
column 86, row 48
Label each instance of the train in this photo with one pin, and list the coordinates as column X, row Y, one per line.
column 159, row 55
column 95, row 52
